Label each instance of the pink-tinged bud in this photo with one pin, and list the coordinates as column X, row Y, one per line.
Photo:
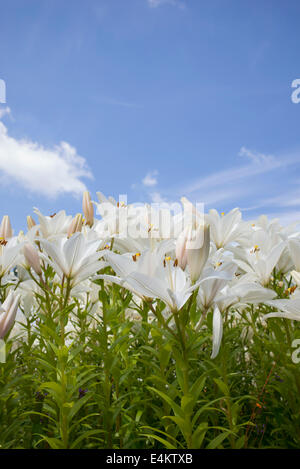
column 30, row 222
column 192, row 217
column 32, row 258
column 88, row 208
column 75, row 225
column 8, row 313
column 6, row 231
column 181, row 254
column 197, row 249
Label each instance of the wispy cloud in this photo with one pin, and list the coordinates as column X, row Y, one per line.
column 259, row 164
column 280, row 206
column 150, row 179
column 48, row 172
column 256, row 184
column 256, row 177
column 286, row 217
column 157, row 3
column 257, row 158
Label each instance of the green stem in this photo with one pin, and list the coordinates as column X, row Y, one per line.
column 107, row 383
column 64, row 416
column 228, row 398
column 180, row 324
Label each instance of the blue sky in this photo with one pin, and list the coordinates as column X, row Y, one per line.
column 151, row 98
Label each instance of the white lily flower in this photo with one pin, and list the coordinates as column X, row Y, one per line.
column 259, row 261
column 28, row 290
column 151, row 275
column 242, row 293
column 225, row 229
column 271, row 226
column 289, row 308
column 9, row 255
column 53, row 226
column 120, row 220
column 294, row 248
column 75, row 258
column 213, row 281
column 253, row 293
column 132, row 245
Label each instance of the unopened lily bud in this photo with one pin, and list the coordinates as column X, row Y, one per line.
column 32, row 258
column 88, row 208
column 197, row 249
column 30, row 222
column 75, row 226
column 6, row 231
column 191, row 215
column 8, row 312
column 181, row 254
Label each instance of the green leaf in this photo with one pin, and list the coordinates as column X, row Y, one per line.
column 198, row 386
column 218, row 440
column 199, row 434
column 54, row 443
column 55, row 390
column 187, row 404
column 84, row 436
column 77, row 406
column 176, row 409
column 161, row 440
column 222, row 386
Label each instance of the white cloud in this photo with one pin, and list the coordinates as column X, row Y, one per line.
column 150, row 179
column 158, row 3
column 157, row 198
column 48, row 172
column 4, row 111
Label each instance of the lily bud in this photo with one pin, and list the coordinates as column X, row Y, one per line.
column 197, row 249
column 6, row 231
column 32, row 258
column 8, row 312
column 75, row 226
column 88, row 208
column 181, row 254
column 191, row 215
column 30, row 222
